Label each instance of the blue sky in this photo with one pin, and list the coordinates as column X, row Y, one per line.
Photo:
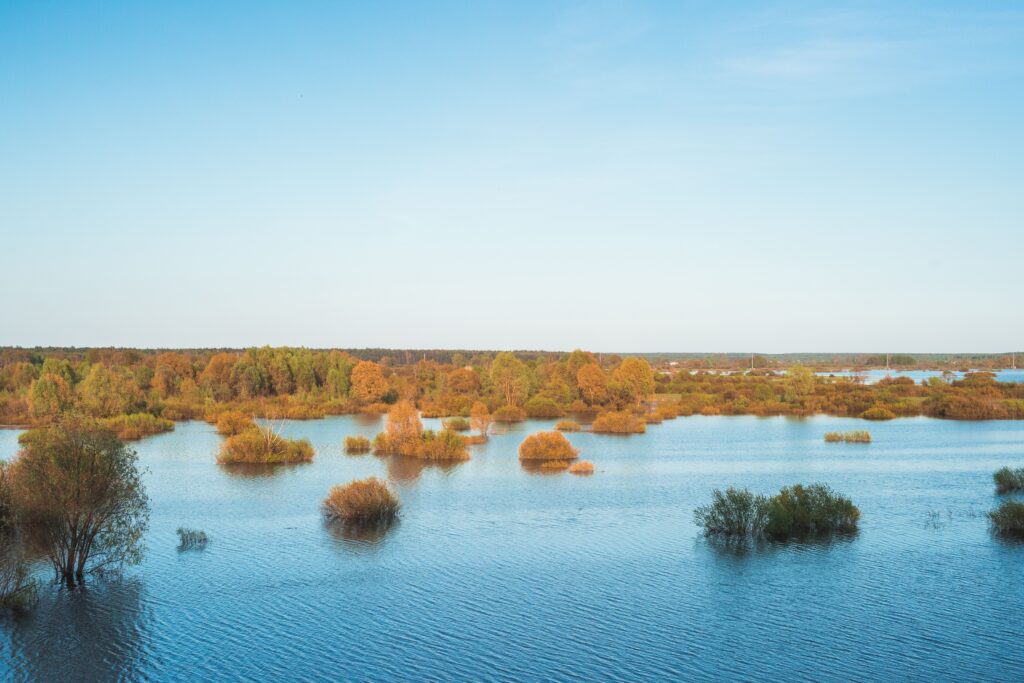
column 613, row 176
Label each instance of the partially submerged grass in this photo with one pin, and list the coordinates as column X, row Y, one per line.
column 368, row 500
column 859, row 436
column 137, row 425
column 191, row 539
column 554, row 465
column 618, row 423
column 797, row 510
column 1009, row 480
column 568, row 426
column 264, row 446
column 456, row 424
column 582, row 467
column 547, row 446
column 1008, row 518
column 357, row 444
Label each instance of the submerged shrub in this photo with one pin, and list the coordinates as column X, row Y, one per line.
column 547, row 446
column 1008, row 518
column 554, row 465
column 509, row 414
column 567, row 426
column 812, row 509
column 456, row 424
column 18, row 589
column 582, row 467
column 233, row 422
column 618, row 423
column 137, row 425
column 357, row 444
column 859, row 436
column 364, row 500
column 262, row 445
column 189, row 539
column 443, row 445
column 1008, row 480
column 733, row 512
column 878, row 412
column 796, row 510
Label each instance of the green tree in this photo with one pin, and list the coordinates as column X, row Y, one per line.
column 510, row 379
column 79, row 486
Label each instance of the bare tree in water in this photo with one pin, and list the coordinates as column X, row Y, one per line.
column 77, row 487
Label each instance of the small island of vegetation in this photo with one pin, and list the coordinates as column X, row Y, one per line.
column 1009, row 480
column 550, row 446
column 366, row 501
column 798, row 510
column 859, row 436
column 263, row 446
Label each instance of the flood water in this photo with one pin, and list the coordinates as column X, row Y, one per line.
column 874, row 376
column 498, row 574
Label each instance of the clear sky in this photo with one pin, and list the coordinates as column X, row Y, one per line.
column 613, row 176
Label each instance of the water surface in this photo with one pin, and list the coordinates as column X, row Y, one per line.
column 498, row 574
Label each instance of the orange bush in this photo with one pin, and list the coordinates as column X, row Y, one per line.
column 567, row 426
column 618, row 423
column 547, row 446
column 582, row 467
column 509, row 414
column 233, row 422
column 363, row 500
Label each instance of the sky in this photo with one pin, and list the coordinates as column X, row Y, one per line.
column 615, row 176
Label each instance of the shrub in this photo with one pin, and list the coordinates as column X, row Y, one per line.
column 667, row 411
column 304, row 411
column 1008, row 480
column 17, row 587
column 457, row 424
column 6, row 494
column 189, row 539
column 137, row 425
column 878, row 412
column 567, row 426
column 796, row 510
column 1008, row 518
column 262, row 445
column 812, row 509
column 443, row 445
column 364, row 500
column 474, row 439
column 582, row 467
column 618, row 423
column 233, row 422
column 509, row 414
column 357, row 444
column 733, row 512
column 541, row 407
column 554, row 465
column 652, row 418
column 547, row 446
column 859, row 436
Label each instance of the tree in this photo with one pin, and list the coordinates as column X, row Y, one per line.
column 480, row 418
column 636, row 377
column 106, row 393
column 404, row 427
column 368, row 383
column 509, row 376
column 592, row 384
column 50, row 395
column 79, row 486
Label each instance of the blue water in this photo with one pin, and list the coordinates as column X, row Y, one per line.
column 873, row 376
column 498, row 574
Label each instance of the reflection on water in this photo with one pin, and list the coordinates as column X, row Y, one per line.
column 358, row 535
column 252, row 470
column 405, row 470
column 95, row 634
column 496, row 574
